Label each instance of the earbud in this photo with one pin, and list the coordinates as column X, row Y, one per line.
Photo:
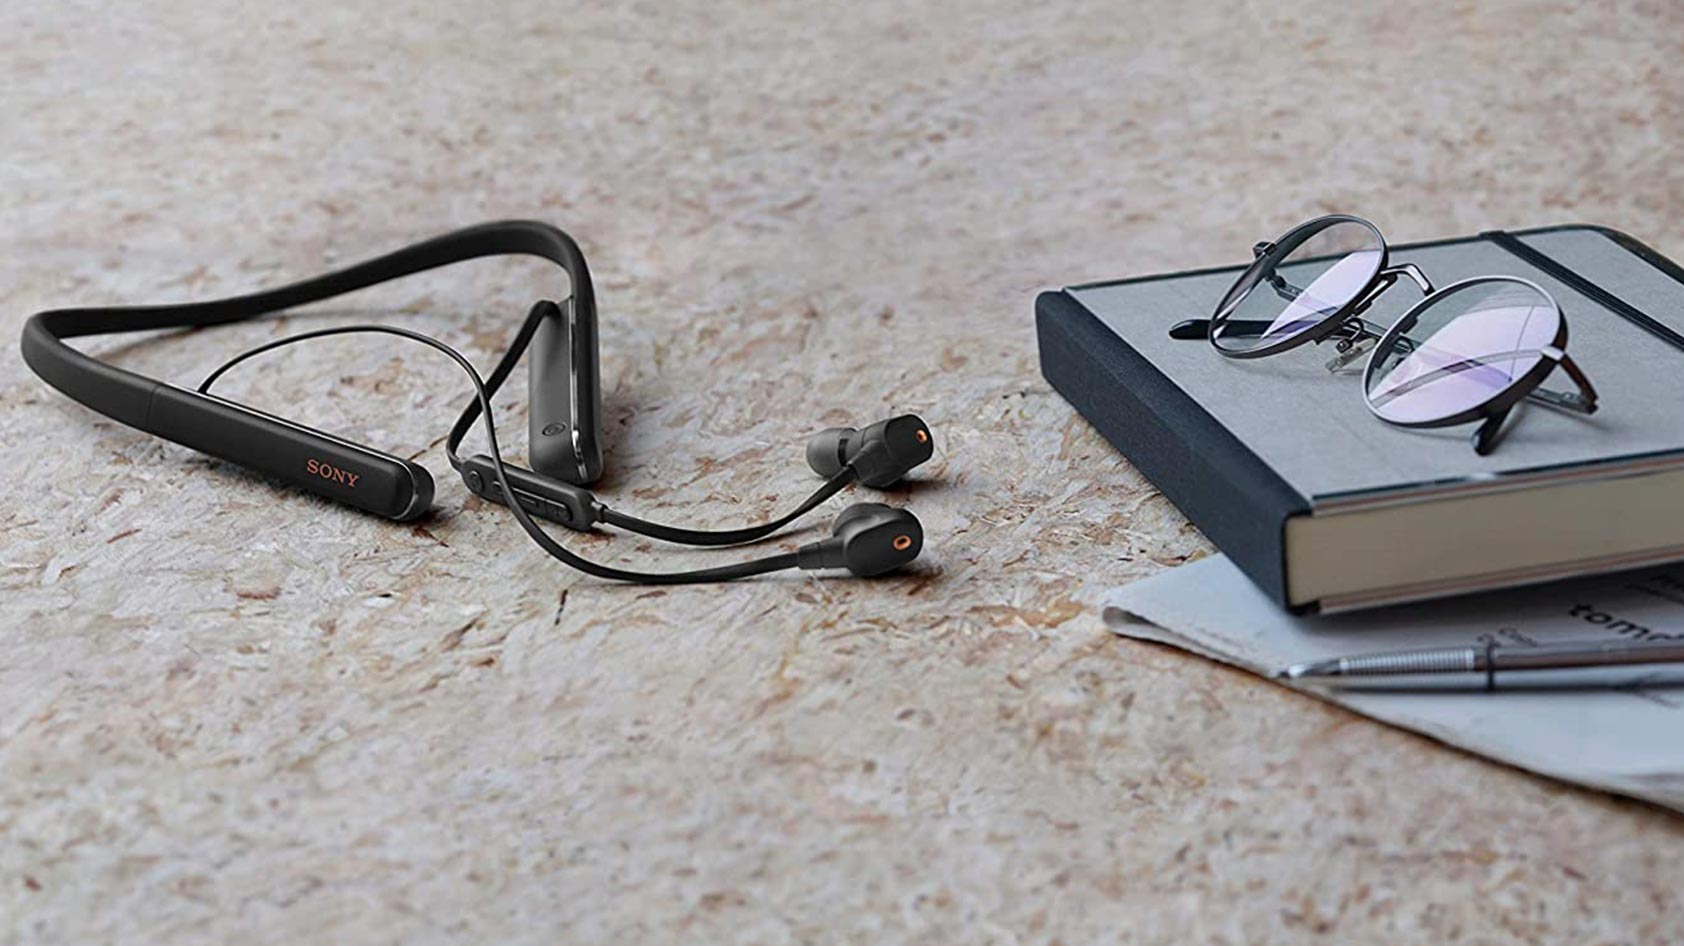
column 881, row 454
column 867, row 539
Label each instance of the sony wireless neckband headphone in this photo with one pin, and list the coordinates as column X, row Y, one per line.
column 565, row 413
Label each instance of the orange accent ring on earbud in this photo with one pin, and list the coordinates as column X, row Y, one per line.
column 922, row 435
column 902, row 543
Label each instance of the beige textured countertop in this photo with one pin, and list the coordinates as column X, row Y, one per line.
column 230, row 712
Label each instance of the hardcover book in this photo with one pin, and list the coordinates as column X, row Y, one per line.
column 1280, row 463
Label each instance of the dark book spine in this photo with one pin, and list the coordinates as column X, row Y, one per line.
column 1236, row 500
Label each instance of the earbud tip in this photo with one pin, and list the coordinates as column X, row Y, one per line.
column 911, row 439
column 889, row 449
column 827, row 450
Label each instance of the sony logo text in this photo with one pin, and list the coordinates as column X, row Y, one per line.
column 329, row 472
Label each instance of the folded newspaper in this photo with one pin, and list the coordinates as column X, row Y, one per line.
column 1629, row 741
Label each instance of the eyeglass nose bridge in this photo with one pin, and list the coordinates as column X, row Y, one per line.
column 1391, row 274
column 1386, row 279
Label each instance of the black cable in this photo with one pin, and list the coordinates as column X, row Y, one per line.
column 758, row 566
column 719, row 537
column 706, row 538
column 499, row 373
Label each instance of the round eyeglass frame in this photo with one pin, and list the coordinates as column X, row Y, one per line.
column 1250, row 279
column 1517, row 389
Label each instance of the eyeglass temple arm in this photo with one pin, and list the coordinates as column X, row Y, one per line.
column 1583, row 402
column 1485, row 438
column 1490, row 431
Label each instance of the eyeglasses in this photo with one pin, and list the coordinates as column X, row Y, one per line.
column 1468, row 352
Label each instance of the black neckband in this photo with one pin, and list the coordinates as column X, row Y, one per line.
column 565, row 399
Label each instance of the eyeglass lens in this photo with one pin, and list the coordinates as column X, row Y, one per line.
column 1293, row 288
column 1461, row 350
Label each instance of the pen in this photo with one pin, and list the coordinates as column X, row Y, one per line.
column 1615, row 663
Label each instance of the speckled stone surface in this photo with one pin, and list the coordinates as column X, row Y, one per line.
column 230, row 712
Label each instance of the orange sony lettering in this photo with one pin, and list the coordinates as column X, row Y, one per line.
column 328, row 471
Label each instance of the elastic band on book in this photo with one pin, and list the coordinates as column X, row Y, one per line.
column 1554, row 267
